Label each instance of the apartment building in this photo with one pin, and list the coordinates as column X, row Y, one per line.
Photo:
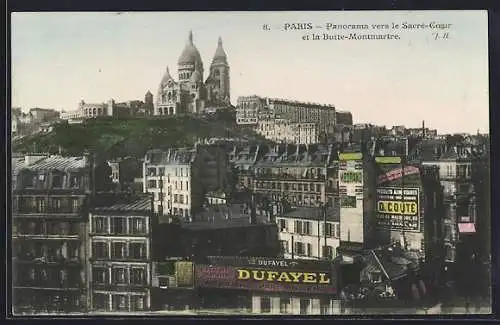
column 49, row 196
column 119, row 264
column 252, row 109
column 456, row 167
column 284, row 131
column 309, row 233
column 301, row 175
column 180, row 178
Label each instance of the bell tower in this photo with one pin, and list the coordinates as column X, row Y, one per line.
column 219, row 77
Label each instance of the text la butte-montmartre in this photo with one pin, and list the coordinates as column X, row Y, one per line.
column 354, row 36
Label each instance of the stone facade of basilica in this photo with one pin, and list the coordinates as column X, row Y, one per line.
column 189, row 94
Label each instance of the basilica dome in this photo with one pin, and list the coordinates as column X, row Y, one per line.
column 190, row 54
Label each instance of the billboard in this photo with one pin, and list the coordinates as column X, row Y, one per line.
column 398, row 208
column 261, row 274
column 184, row 273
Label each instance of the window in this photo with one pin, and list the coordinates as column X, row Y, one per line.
column 309, row 250
column 74, row 181
column 100, row 225
column 152, row 171
column 187, row 186
column 137, row 250
column 120, row 302
column 100, row 275
column 100, row 301
column 151, row 184
column 137, row 302
column 324, row 305
column 137, row 225
column 161, row 171
column 120, row 275
column 118, row 250
column 337, row 230
column 283, row 225
column 329, row 228
column 75, row 205
column 40, row 205
column 100, row 250
column 284, row 246
column 265, row 305
column 285, row 304
column 304, row 306
column 56, row 205
column 56, row 181
column 118, row 225
column 328, row 252
column 300, row 248
column 138, row 276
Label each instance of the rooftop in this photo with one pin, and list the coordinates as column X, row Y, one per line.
column 44, row 162
column 223, row 216
column 332, row 214
column 123, row 203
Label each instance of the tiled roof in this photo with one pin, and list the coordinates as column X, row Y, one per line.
column 312, row 155
column 332, row 214
column 17, row 164
column 126, row 204
column 57, row 163
column 172, row 156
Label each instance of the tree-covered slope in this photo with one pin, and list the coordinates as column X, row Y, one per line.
column 110, row 138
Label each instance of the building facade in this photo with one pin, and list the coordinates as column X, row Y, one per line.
column 108, row 109
column 301, row 175
column 49, row 233
column 309, row 233
column 283, row 131
column 119, row 263
column 190, row 94
column 180, row 178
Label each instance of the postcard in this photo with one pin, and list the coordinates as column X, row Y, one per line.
column 250, row 163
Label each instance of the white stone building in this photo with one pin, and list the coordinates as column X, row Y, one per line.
column 180, row 178
column 284, row 131
column 302, row 233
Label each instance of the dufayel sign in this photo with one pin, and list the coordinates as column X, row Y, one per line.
column 259, row 274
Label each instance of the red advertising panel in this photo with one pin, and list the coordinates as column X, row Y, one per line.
column 285, row 277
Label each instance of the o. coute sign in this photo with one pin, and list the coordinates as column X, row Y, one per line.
column 268, row 275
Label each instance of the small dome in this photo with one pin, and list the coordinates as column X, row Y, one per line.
column 166, row 77
column 190, row 54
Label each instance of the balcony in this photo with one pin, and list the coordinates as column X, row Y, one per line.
column 44, row 236
column 46, row 211
column 27, row 258
column 288, row 177
column 48, row 285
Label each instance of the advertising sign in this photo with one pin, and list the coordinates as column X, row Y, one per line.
column 267, row 275
column 398, row 209
column 397, row 173
column 184, row 273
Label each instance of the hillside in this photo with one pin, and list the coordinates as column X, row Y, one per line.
column 110, row 138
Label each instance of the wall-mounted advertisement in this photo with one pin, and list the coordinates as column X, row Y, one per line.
column 350, row 179
column 267, row 275
column 398, row 208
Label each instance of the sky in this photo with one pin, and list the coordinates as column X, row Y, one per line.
column 61, row 58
